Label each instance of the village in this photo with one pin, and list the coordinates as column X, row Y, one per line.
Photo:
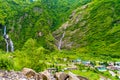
column 113, row 68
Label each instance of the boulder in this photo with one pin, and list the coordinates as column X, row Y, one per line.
column 29, row 73
column 46, row 75
column 82, row 78
column 72, row 76
column 38, row 76
column 61, row 76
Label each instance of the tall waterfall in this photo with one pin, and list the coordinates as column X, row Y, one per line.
column 11, row 45
column 60, row 42
column 4, row 30
column 8, row 41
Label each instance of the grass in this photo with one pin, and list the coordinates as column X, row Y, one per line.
column 88, row 74
column 92, row 75
column 35, row 60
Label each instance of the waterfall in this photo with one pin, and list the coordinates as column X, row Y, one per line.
column 8, row 41
column 4, row 30
column 7, row 45
column 60, row 42
column 11, row 45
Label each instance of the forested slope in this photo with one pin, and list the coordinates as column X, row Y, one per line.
column 93, row 28
column 78, row 28
column 34, row 19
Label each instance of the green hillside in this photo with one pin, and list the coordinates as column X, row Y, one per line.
column 93, row 28
column 26, row 19
column 30, row 25
column 45, row 33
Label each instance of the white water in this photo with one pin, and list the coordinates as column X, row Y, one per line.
column 8, row 41
column 11, row 45
column 60, row 42
column 7, row 45
column 4, row 30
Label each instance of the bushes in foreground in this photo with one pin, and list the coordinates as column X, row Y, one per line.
column 6, row 61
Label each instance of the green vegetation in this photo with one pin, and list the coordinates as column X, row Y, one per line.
column 25, row 19
column 92, row 33
column 92, row 75
column 94, row 29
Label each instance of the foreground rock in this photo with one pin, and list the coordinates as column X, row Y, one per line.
column 29, row 74
column 61, row 76
column 75, row 77
column 12, row 75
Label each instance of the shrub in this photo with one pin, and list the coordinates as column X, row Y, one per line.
column 6, row 62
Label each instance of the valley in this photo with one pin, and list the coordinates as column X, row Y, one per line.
column 77, row 36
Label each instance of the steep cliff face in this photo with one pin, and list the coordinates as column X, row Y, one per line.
column 94, row 27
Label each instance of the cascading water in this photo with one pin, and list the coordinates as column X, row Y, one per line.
column 8, row 41
column 4, row 30
column 60, row 42
column 11, row 45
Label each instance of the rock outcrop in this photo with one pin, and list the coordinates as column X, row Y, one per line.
column 61, row 76
column 29, row 74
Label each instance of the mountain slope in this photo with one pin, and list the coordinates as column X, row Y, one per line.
column 93, row 28
column 34, row 19
column 29, row 20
